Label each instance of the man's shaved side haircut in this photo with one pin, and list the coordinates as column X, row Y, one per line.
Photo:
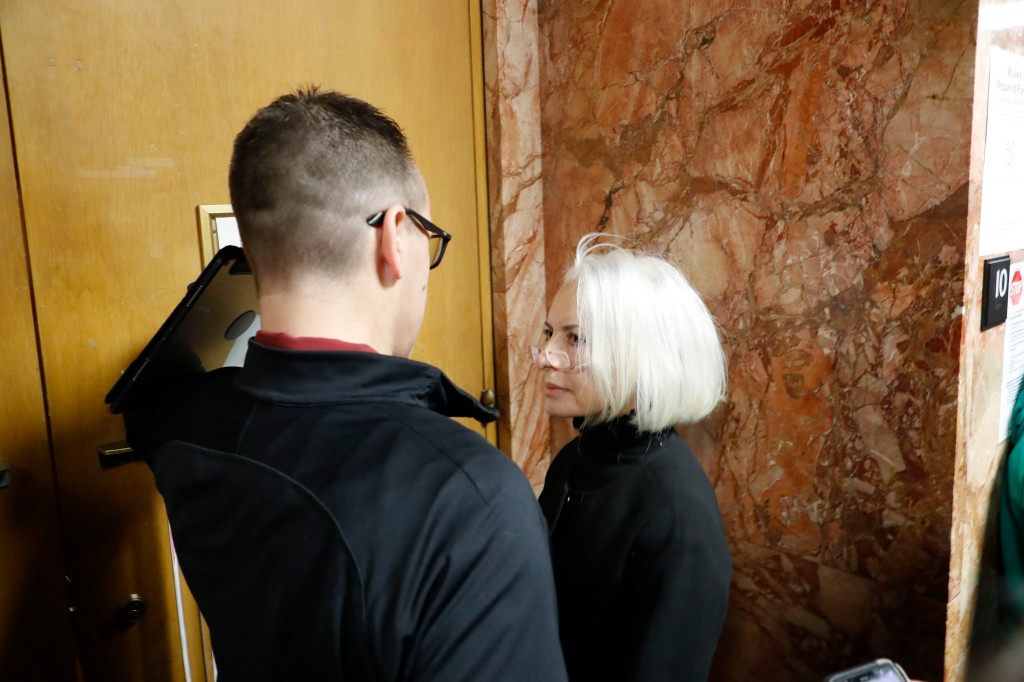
column 306, row 172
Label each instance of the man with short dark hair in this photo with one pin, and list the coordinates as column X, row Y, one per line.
column 330, row 518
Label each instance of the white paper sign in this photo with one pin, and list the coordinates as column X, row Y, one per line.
column 227, row 231
column 1002, row 185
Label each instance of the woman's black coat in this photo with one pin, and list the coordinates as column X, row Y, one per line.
column 642, row 568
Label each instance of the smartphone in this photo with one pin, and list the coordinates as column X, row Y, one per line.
column 208, row 329
column 881, row 670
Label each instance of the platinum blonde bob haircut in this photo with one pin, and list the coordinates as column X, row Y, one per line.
column 649, row 342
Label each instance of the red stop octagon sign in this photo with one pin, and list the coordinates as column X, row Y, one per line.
column 1016, row 286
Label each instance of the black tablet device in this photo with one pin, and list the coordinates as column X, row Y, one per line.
column 209, row 328
column 881, row 670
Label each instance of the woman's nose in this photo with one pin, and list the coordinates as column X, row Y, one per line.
column 540, row 357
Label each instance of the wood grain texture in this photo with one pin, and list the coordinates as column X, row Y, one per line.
column 124, row 115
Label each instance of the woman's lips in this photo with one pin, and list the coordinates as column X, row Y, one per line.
column 552, row 389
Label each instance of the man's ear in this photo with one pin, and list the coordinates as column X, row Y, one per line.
column 389, row 253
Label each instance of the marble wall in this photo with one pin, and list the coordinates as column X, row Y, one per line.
column 806, row 162
column 816, row 168
column 515, row 188
column 973, row 583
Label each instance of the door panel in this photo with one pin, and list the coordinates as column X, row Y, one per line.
column 123, row 117
column 35, row 626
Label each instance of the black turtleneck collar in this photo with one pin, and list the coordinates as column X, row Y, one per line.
column 606, row 451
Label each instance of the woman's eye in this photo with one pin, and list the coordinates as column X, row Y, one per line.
column 574, row 339
column 545, row 335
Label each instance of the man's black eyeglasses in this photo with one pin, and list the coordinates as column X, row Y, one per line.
column 438, row 238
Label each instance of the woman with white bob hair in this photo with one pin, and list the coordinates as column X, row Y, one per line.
column 641, row 564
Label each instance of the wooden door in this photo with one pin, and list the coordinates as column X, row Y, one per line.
column 123, row 115
column 35, row 625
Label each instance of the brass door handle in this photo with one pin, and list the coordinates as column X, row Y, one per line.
column 114, row 454
column 488, row 398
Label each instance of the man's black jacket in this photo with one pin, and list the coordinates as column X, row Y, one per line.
column 334, row 524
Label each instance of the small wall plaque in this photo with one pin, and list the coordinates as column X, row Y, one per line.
column 994, row 289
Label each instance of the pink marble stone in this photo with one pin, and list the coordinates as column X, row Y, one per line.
column 972, row 581
column 512, row 93
column 806, row 164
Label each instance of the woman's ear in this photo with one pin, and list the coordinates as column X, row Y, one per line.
column 389, row 253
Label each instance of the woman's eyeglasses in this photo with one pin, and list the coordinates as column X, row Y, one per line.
column 556, row 359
